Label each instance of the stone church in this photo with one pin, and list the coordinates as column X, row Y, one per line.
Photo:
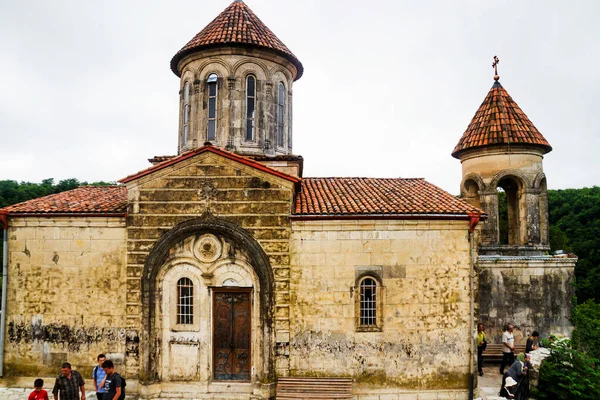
column 217, row 271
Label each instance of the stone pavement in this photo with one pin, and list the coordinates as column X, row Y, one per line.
column 22, row 394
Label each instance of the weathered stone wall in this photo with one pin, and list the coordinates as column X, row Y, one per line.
column 255, row 201
column 425, row 335
column 66, row 293
column 533, row 293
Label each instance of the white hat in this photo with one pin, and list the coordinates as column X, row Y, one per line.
column 510, row 382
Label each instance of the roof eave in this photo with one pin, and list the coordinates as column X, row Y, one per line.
column 182, row 54
column 309, row 217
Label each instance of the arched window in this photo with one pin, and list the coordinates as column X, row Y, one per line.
column 212, row 106
column 280, row 114
column 185, row 301
column 186, row 112
column 250, row 106
column 368, row 302
column 511, row 212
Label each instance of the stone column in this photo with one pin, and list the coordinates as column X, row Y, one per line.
column 532, row 226
column 489, row 204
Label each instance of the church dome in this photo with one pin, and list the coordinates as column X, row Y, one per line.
column 500, row 121
column 236, row 26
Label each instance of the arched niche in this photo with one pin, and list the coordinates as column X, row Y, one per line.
column 259, row 261
column 471, row 189
column 512, row 211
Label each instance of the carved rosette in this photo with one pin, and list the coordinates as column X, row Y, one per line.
column 208, row 248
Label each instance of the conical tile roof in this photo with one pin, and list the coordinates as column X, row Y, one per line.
column 237, row 25
column 500, row 121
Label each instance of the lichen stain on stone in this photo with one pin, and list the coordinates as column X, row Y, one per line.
column 379, row 363
column 72, row 337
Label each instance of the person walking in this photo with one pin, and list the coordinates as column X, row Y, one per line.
column 98, row 376
column 481, row 346
column 68, row 384
column 508, row 348
column 114, row 384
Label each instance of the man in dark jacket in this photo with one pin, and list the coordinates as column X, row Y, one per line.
column 68, row 384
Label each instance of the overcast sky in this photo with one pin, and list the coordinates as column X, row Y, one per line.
column 389, row 86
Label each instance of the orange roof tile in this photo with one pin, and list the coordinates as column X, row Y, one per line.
column 500, row 121
column 213, row 149
column 100, row 200
column 376, row 196
column 237, row 25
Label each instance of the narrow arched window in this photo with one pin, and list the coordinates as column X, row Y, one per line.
column 368, row 302
column 185, row 301
column 186, row 112
column 250, row 106
column 280, row 114
column 212, row 106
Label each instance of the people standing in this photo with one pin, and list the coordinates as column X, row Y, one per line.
column 114, row 385
column 508, row 348
column 68, row 384
column 98, row 376
column 38, row 392
column 481, row 345
column 532, row 342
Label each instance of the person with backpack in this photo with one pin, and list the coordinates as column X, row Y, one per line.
column 98, row 376
column 114, row 384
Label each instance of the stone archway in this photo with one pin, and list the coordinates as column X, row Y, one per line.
column 151, row 336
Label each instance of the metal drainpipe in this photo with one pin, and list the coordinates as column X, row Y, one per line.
column 4, row 221
column 473, row 221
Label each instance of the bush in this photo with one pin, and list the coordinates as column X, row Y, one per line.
column 568, row 374
column 586, row 336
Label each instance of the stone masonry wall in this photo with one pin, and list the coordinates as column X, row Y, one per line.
column 531, row 293
column 254, row 200
column 425, row 335
column 66, row 293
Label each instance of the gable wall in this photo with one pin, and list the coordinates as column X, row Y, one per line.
column 424, row 268
column 254, row 200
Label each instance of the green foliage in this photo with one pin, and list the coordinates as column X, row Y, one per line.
column 575, row 227
column 568, row 374
column 586, row 337
column 503, row 217
column 12, row 192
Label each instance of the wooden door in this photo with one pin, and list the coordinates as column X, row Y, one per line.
column 231, row 334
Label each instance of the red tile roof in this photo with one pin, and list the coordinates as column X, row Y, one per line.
column 213, row 149
column 318, row 197
column 376, row 196
column 500, row 121
column 237, row 25
column 99, row 200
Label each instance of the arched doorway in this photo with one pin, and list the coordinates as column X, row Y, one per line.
column 207, row 294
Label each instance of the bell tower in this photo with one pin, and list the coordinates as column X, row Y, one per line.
column 236, row 81
column 502, row 151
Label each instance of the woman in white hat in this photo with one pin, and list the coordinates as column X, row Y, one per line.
column 509, row 388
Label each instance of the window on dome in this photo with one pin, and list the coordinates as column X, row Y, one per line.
column 186, row 112
column 212, row 106
column 250, row 106
column 280, row 114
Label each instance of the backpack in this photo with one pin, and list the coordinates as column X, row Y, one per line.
column 123, row 385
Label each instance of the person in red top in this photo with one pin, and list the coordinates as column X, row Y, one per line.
column 38, row 393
